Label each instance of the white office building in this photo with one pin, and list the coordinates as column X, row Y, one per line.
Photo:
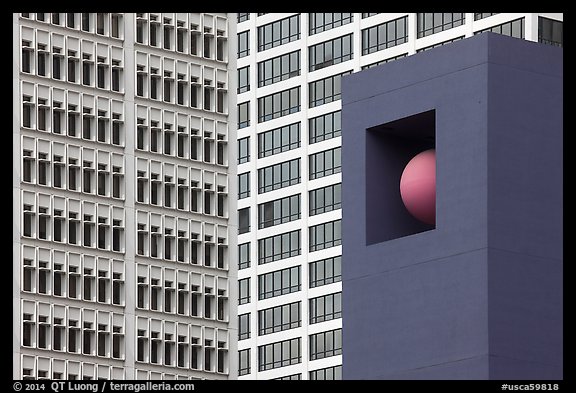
column 123, row 188
column 289, row 180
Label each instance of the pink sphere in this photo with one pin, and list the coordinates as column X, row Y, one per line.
column 418, row 186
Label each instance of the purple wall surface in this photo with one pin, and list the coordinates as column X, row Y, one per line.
column 478, row 295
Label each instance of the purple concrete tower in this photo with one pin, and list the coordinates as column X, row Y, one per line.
column 478, row 293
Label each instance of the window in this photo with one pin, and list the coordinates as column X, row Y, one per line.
column 244, row 362
column 100, row 23
column 57, row 121
column 88, row 340
column 194, row 37
column 140, row 30
column 116, row 234
column 243, row 43
column 194, row 200
column 73, row 228
column 116, row 185
column 243, row 326
column 58, row 225
column 325, row 127
column 279, row 68
column 220, row 45
column 142, row 350
column 292, row 377
column 168, row 136
column 384, row 61
column 72, row 120
column 243, row 185
column 325, row 308
column 279, row 318
column 117, row 288
column 279, row 140
column 28, row 276
column 385, row 35
column 57, row 66
column 325, row 344
column 328, row 373
column 207, row 202
column 154, row 86
column 369, row 14
column 168, row 90
column 87, row 73
column 325, row 90
column 244, row 114
column 43, row 172
column 550, row 32
column 26, row 56
column 279, row 32
column 243, row 17
column 28, row 221
column 243, row 256
column 43, row 335
column 330, row 52
column 244, row 291
column 154, row 34
column 243, row 150
column 102, row 130
column 243, row 79
column 325, row 235
column 274, row 248
column 42, row 60
column 27, row 113
column 43, row 221
column 325, row 271
column 87, row 181
column 28, row 330
column 279, row 211
column 59, row 332
column 320, row 22
column 439, row 44
column 482, row 15
column 279, row 354
column 85, row 21
column 325, row 163
column 70, row 22
column 180, row 39
column 207, row 46
column 279, row 282
column 325, row 199
column 43, row 277
column 279, row 104
column 167, row 36
column 280, row 175
column 88, row 234
column 433, row 22
column 87, row 126
column 59, row 277
column 514, row 28
column 101, row 76
column 72, row 65
column 244, row 220
column 74, row 285
column 42, row 115
column 27, row 165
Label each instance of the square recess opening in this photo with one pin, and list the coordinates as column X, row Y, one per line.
column 389, row 147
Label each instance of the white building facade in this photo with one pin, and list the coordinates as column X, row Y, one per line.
column 123, row 241
column 289, row 180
